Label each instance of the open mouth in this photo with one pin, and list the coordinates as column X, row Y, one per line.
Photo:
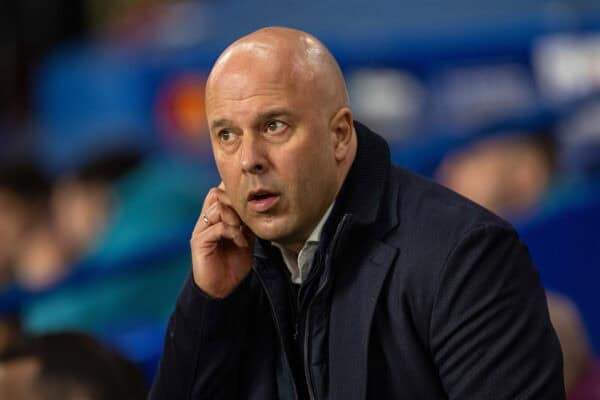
column 259, row 196
column 262, row 200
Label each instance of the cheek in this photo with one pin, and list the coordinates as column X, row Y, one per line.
column 220, row 167
column 309, row 179
column 226, row 169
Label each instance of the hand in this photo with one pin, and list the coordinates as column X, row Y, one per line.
column 221, row 246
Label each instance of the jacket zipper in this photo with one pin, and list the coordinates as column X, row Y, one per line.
column 307, row 374
column 279, row 335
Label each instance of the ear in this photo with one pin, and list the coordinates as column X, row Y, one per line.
column 342, row 130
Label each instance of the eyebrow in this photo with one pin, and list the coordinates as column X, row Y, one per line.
column 278, row 112
column 219, row 123
column 263, row 116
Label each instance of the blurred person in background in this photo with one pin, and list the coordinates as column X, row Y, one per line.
column 508, row 173
column 67, row 366
column 581, row 367
column 27, row 236
column 48, row 227
column 84, row 200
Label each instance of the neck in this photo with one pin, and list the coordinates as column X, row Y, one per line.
column 294, row 247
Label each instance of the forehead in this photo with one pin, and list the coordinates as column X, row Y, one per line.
column 242, row 85
column 243, row 80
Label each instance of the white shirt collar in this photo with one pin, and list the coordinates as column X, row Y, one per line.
column 299, row 265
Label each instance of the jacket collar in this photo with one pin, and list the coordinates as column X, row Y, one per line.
column 363, row 194
column 363, row 188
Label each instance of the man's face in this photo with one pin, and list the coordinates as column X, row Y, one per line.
column 274, row 150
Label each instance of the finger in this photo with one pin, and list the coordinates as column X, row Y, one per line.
column 211, row 198
column 218, row 212
column 220, row 231
column 223, row 197
column 201, row 225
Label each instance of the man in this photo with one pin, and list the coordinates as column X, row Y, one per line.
column 321, row 271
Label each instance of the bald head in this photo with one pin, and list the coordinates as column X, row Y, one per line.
column 285, row 55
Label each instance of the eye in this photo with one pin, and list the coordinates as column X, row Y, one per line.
column 226, row 137
column 275, row 127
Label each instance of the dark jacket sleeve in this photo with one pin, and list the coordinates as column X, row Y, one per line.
column 202, row 345
column 490, row 332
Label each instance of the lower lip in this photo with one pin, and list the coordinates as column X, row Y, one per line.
column 263, row 205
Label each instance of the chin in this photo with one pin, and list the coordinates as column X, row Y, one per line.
column 268, row 234
column 270, row 230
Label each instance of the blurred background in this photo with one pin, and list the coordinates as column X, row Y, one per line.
column 104, row 157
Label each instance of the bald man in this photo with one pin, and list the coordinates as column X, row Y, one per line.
column 322, row 271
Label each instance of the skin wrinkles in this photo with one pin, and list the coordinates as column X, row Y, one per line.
column 277, row 109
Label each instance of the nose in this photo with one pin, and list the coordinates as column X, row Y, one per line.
column 253, row 155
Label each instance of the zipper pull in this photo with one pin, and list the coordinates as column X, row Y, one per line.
column 296, row 329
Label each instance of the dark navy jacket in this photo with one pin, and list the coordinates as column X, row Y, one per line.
column 417, row 293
